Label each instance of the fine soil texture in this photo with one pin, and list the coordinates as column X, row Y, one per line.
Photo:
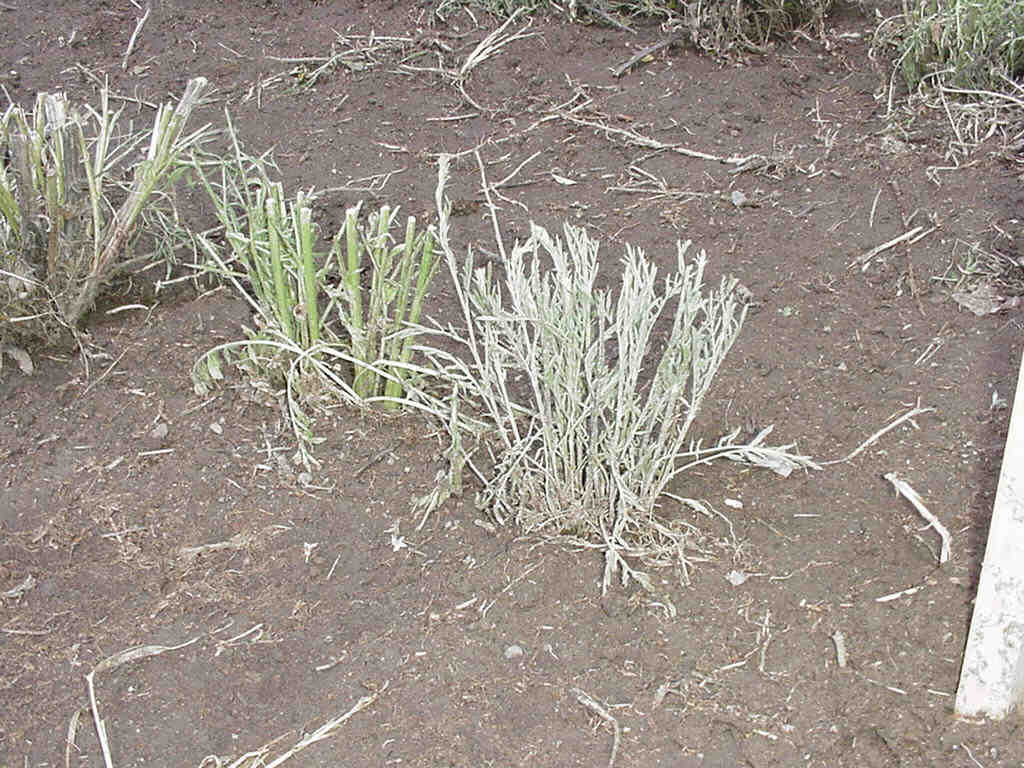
column 816, row 626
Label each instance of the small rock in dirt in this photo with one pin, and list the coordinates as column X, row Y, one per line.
column 736, row 577
column 160, row 431
column 513, row 652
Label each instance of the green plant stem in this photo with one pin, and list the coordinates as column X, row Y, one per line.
column 284, row 302
column 302, row 215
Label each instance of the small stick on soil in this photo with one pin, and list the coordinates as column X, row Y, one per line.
column 865, row 259
column 586, row 700
column 896, row 595
column 452, row 118
column 839, row 640
column 903, row 488
column 122, row 657
column 917, row 411
column 874, row 205
column 238, row 541
column 135, row 34
column 642, row 54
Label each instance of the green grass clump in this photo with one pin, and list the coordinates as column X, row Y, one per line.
column 331, row 325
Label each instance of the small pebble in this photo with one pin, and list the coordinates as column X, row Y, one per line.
column 513, row 652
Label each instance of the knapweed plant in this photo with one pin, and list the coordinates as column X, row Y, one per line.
column 578, row 399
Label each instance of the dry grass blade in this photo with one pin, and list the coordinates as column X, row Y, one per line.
column 111, row 662
column 904, row 489
column 493, row 43
column 72, row 735
column 329, row 727
column 592, row 704
column 487, row 48
column 908, row 416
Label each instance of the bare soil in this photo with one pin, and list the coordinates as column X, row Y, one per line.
column 481, row 648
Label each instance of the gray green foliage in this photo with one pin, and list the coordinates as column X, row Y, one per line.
column 582, row 398
column 962, row 43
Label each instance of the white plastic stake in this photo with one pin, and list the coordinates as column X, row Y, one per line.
column 992, row 675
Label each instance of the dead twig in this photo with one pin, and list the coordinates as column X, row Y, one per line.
column 134, row 37
column 864, row 259
column 916, row 411
column 588, row 701
column 642, row 54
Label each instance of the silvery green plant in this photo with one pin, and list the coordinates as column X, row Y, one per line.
column 582, row 398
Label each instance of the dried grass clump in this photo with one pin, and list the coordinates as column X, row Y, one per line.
column 74, row 190
column 718, row 27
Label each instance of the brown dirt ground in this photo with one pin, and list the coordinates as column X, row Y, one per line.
column 312, row 607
